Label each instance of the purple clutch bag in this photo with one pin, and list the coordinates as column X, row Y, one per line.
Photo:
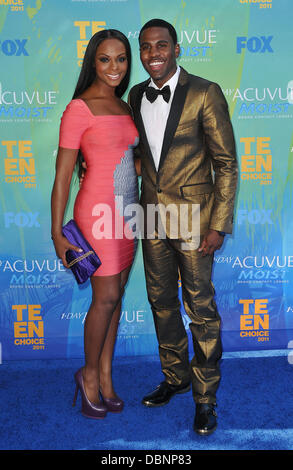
column 83, row 265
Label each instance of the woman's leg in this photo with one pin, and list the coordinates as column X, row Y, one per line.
column 105, row 365
column 102, row 318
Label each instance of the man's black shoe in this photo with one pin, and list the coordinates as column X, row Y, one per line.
column 205, row 421
column 163, row 394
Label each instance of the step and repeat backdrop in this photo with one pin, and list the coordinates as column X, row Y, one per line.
column 245, row 46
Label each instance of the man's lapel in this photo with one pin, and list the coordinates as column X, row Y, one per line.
column 174, row 114
column 173, row 119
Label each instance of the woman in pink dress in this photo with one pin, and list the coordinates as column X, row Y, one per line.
column 98, row 125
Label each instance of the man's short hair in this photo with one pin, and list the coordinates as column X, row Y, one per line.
column 161, row 24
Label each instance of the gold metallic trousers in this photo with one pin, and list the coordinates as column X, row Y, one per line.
column 164, row 261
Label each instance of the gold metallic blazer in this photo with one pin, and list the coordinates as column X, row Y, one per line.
column 198, row 160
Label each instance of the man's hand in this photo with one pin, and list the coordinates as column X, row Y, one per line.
column 212, row 241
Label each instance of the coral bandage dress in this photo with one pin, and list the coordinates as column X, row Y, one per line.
column 109, row 185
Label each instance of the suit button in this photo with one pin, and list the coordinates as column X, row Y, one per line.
column 159, row 190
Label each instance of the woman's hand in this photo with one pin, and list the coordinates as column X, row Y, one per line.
column 61, row 246
column 137, row 163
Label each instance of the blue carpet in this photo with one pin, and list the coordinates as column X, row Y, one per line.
column 255, row 407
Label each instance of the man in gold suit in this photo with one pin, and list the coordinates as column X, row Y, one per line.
column 187, row 153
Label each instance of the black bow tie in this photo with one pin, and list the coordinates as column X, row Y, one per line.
column 152, row 93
